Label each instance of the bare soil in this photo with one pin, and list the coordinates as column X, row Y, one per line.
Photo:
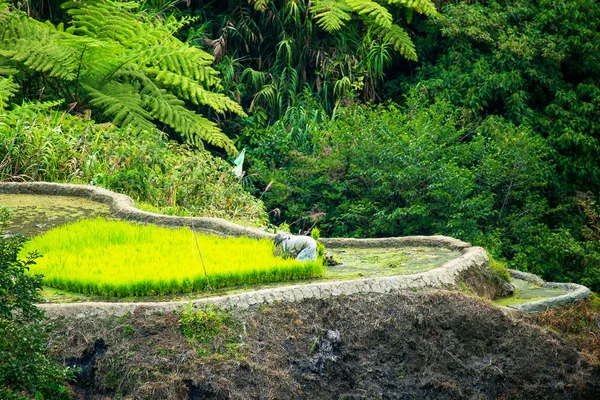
column 431, row 345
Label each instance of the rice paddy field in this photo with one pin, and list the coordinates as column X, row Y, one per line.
column 123, row 259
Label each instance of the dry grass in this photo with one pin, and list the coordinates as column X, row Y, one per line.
column 578, row 323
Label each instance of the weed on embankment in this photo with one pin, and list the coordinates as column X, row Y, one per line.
column 212, row 331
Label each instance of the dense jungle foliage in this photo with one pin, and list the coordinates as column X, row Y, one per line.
column 492, row 137
column 475, row 119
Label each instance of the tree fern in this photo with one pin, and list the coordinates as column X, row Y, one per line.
column 332, row 15
column 114, row 59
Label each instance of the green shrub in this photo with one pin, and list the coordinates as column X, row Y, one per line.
column 118, row 258
column 499, row 269
column 423, row 169
column 391, row 171
column 25, row 370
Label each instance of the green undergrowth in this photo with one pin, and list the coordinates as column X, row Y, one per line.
column 38, row 143
column 499, row 269
column 212, row 331
column 119, row 259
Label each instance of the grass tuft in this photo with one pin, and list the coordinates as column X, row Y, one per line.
column 122, row 259
column 212, row 331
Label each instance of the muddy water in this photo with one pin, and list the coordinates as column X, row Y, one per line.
column 374, row 262
column 35, row 214
column 526, row 292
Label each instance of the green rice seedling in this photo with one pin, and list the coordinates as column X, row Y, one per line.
column 121, row 259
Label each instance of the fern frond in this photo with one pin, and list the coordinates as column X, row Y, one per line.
column 373, row 11
column 182, row 60
column 7, row 89
column 122, row 103
column 40, row 47
column 399, row 39
column 190, row 90
column 331, row 15
column 29, row 109
column 26, row 111
column 168, row 109
column 105, row 19
column 6, row 68
column 193, row 127
column 425, row 7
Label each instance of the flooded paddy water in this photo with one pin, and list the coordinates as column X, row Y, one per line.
column 526, row 292
column 356, row 262
column 37, row 214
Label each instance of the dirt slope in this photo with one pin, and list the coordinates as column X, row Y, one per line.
column 433, row 345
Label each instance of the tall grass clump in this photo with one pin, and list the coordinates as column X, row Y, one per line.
column 120, row 259
column 161, row 175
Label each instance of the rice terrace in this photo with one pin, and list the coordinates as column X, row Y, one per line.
column 153, row 267
column 108, row 258
column 105, row 259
